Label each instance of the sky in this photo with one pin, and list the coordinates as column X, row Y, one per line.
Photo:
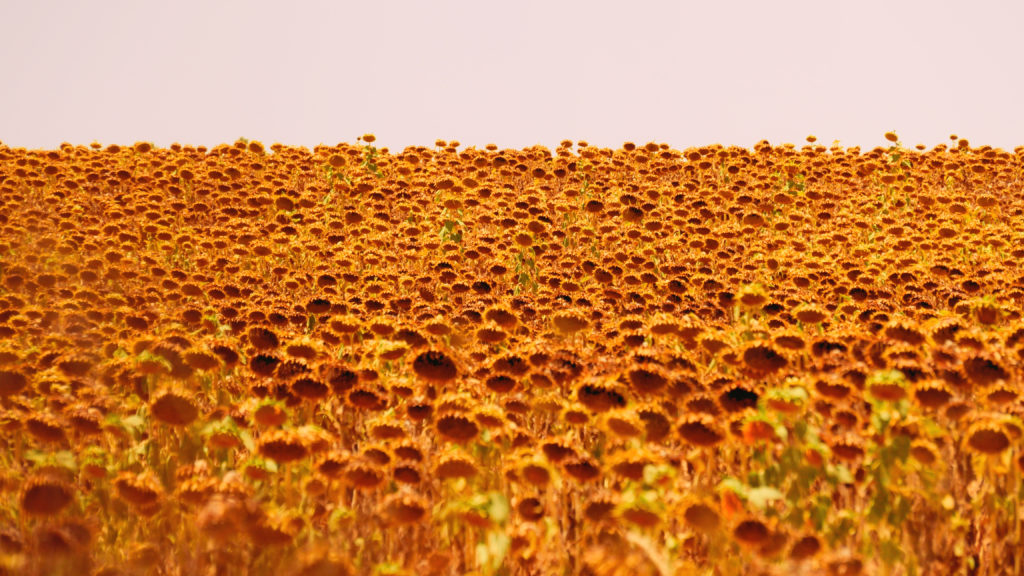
column 513, row 74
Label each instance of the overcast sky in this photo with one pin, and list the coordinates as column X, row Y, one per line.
column 513, row 73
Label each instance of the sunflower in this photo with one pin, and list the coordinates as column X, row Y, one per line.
column 435, row 366
column 46, row 495
column 987, row 437
column 700, row 430
column 763, row 359
column 404, row 508
column 175, row 408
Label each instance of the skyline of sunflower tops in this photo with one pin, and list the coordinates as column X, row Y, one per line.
column 250, row 359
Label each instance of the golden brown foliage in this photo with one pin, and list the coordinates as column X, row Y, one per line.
column 447, row 360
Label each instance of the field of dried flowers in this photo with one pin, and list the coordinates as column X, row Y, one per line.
column 441, row 361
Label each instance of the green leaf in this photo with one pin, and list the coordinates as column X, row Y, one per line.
column 65, row 459
column 879, row 506
column 733, row 485
column 795, row 517
column 890, row 552
column 842, row 528
column 886, row 377
column 339, row 514
column 133, row 422
column 387, row 568
column 140, row 448
column 761, row 496
column 819, row 513
column 147, row 356
column 841, row 474
column 900, row 513
column 497, row 507
column 492, row 552
column 901, row 447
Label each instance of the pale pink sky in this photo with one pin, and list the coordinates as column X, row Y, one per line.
column 515, row 73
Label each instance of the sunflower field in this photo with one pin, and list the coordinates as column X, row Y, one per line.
column 449, row 360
